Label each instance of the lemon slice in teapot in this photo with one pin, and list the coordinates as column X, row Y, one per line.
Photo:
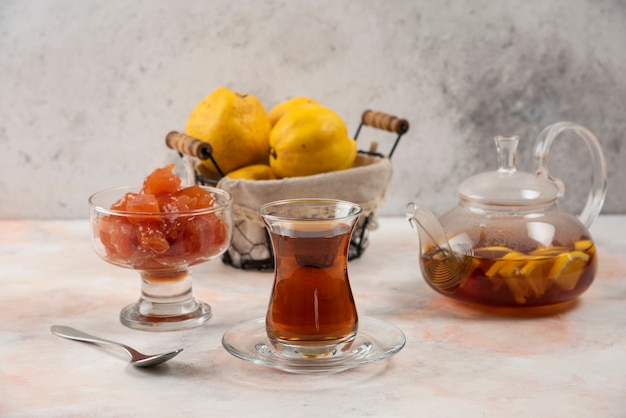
column 567, row 269
column 508, row 261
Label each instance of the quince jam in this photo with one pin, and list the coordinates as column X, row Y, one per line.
column 163, row 226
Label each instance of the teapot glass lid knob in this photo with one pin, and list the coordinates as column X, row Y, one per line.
column 507, row 187
column 507, row 152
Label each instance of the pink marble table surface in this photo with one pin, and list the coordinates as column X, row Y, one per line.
column 459, row 360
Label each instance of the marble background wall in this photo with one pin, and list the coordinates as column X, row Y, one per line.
column 88, row 89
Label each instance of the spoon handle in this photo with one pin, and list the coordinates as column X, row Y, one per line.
column 74, row 334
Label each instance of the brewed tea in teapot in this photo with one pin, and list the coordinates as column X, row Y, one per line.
column 508, row 242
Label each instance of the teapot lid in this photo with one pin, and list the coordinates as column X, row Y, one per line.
column 507, row 186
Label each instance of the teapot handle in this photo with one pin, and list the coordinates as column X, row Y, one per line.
column 595, row 199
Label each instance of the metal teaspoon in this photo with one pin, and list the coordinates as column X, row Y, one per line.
column 136, row 358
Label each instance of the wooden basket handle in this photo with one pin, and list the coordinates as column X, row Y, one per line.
column 188, row 145
column 385, row 121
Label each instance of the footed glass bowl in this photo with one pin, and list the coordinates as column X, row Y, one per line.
column 161, row 239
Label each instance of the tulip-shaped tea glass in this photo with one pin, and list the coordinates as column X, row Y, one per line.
column 311, row 311
column 162, row 244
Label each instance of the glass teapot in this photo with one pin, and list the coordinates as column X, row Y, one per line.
column 508, row 242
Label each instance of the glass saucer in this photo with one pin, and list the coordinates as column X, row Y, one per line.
column 376, row 340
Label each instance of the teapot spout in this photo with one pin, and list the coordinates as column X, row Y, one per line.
column 429, row 229
column 443, row 267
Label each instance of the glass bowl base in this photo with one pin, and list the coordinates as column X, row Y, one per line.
column 137, row 317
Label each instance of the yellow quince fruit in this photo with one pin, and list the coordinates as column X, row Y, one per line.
column 253, row 172
column 280, row 109
column 237, row 127
column 310, row 140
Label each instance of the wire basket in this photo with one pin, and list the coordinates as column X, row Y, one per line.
column 365, row 183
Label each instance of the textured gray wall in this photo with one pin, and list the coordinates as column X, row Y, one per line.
column 90, row 88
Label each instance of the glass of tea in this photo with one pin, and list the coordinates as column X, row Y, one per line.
column 311, row 312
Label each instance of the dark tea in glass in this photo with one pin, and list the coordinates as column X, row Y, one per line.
column 311, row 311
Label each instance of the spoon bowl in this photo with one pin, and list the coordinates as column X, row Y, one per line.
column 137, row 359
